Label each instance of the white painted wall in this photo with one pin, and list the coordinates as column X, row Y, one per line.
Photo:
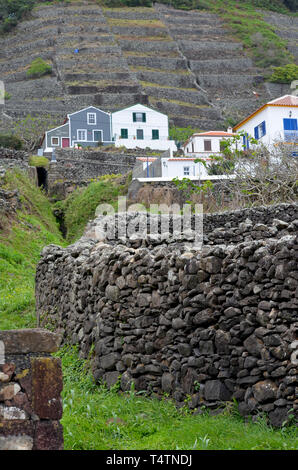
column 273, row 116
column 123, row 119
column 172, row 168
column 195, row 146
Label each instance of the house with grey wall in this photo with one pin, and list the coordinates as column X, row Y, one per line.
column 86, row 128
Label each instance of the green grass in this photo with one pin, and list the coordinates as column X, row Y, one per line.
column 37, row 161
column 95, row 418
column 21, row 242
column 80, row 206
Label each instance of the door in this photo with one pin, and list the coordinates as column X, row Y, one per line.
column 65, row 142
column 97, row 136
column 140, row 134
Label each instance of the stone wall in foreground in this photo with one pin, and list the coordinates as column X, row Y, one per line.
column 30, row 389
column 204, row 326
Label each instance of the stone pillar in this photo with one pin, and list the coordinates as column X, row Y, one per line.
column 30, row 391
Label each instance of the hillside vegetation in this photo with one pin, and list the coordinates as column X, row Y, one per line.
column 22, row 237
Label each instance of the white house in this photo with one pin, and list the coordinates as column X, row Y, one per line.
column 140, row 126
column 183, row 168
column 204, row 144
column 275, row 121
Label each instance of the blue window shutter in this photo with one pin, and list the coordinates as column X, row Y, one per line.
column 144, row 117
column 134, row 117
column 244, row 142
column 247, row 142
column 263, row 127
column 287, row 125
column 256, row 132
column 290, row 124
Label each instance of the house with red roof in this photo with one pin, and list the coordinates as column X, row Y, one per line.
column 274, row 122
column 204, row 144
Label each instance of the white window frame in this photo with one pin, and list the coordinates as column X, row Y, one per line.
column 82, row 130
column 186, row 171
column 88, row 119
column 55, row 137
column 97, row 130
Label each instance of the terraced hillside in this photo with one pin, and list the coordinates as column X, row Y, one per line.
column 182, row 63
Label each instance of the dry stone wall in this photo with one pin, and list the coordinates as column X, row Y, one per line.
column 30, row 389
column 206, row 326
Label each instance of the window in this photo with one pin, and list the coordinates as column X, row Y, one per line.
column 91, row 118
column 124, row 133
column 186, row 171
column 291, row 130
column 55, row 141
column 82, row 135
column 260, row 130
column 140, row 134
column 192, row 147
column 207, row 145
column 290, row 125
column 155, row 134
column 139, row 117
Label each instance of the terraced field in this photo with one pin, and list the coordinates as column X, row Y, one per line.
column 182, row 63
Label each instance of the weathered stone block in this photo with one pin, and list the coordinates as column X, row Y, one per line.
column 30, row 341
column 215, row 390
column 48, row 436
column 265, row 391
column 47, row 385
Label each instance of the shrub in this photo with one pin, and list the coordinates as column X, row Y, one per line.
column 10, row 142
column 39, row 68
column 38, row 161
column 286, row 74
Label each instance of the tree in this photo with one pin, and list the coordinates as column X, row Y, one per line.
column 31, row 129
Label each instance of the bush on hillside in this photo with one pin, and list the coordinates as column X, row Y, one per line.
column 286, row 74
column 39, row 68
column 11, row 11
column 10, row 142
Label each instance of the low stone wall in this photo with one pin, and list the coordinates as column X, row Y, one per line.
column 10, row 159
column 204, row 326
column 84, row 165
column 30, row 389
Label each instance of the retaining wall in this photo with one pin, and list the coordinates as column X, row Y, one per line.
column 206, row 326
column 30, row 389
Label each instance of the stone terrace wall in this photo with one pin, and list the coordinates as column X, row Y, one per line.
column 30, row 388
column 10, row 158
column 207, row 326
column 83, row 165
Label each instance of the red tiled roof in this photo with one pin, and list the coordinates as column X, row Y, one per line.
column 286, row 100
column 145, row 159
column 186, row 159
column 216, row 134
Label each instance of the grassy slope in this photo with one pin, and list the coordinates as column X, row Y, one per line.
column 97, row 419
column 20, row 245
column 80, row 206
